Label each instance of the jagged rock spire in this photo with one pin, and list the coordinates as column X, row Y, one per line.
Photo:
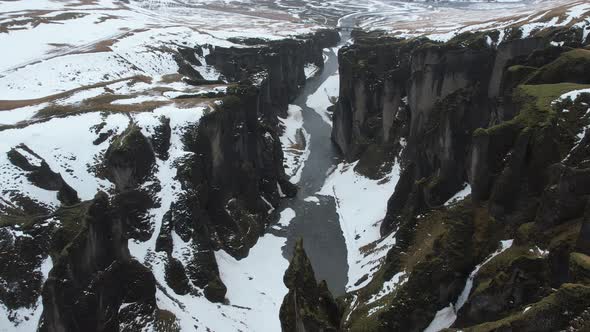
column 308, row 306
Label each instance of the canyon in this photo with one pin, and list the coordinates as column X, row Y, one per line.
column 301, row 166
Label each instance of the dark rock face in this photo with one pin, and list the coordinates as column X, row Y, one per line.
column 186, row 58
column 433, row 97
column 308, row 306
column 232, row 178
column 94, row 275
column 176, row 277
column 371, row 109
column 472, row 111
column 128, row 163
column 132, row 207
column 283, row 61
column 239, row 165
column 42, row 176
column 129, row 159
column 21, row 257
column 161, row 138
column 236, row 174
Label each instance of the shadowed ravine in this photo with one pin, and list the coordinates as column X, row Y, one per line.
column 318, row 223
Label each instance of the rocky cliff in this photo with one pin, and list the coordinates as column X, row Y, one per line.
column 481, row 111
column 308, row 306
column 188, row 188
column 276, row 66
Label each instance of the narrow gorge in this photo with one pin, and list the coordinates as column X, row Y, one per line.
column 295, row 166
column 488, row 130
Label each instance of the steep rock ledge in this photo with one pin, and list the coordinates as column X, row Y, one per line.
column 94, row 275
column 308, row 306
column 231, row 177
column 278, row 66
column 237, row 169
column 475, row 111
column 234, row 179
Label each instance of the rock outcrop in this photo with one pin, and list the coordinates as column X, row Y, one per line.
column 277, row 65
column 308, row 306
column 481, row 111
column 129, row 159
column 94, row 275
column 231, row 180
column 41, row 175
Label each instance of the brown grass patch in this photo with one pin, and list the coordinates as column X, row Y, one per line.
column 429, row 229
column 6, row 105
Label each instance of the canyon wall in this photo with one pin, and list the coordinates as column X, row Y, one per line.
column 230, row 180
column 475, row 111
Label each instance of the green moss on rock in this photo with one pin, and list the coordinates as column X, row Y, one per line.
column 579, row 268
column 535, row 105
column 572, row 66
column 552, row 313
column 71, row 220
column 307, row 306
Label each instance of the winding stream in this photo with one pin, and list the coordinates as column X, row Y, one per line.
column 317, row 222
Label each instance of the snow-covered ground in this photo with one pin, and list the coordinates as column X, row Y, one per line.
column 66, row 144
column 80, row 56
column 255, row 288
column 443, row 21
column 325, row 96
column 64, row 52
column 361, row 204
column 57, row 46
column 255, row 284
column 295, row 141
column 466, row 191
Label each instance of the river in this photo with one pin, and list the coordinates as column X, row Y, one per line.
column 318, row 223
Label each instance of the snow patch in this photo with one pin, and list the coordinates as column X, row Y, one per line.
column 66, row 144
column 390, row 286
column 310, row 70
column 287, row 215
column 312, row 199
column 256, row 283
column 446, row 317
column 20, row 114
column 324, row 97
column 295, row 141
column 353, row 193
column 466, row 191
